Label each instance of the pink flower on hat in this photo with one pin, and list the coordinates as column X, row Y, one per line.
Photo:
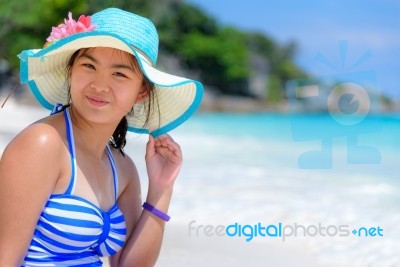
column 70, row 27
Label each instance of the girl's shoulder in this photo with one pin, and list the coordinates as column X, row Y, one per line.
column 47, row 132
column 43, row 138
column 36, row 154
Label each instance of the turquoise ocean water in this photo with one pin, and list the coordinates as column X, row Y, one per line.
column 249, row 169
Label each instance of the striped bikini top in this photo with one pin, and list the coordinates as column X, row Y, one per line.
column 71, row 231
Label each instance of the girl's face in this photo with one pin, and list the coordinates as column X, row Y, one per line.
column 105, row 84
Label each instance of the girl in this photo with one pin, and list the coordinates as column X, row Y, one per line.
column 68, row 193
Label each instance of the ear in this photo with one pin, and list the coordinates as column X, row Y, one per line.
column 142, row 94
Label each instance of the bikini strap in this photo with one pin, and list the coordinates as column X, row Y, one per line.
column 57, row 108
column 114, row 172
column 71, row 146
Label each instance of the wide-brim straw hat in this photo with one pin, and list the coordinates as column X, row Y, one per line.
column 44, row 70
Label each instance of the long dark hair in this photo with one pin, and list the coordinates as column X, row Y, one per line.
column 118, row 139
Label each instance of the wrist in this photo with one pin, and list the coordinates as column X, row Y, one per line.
column 153, row 210
column 156, row 194
column 159, row 199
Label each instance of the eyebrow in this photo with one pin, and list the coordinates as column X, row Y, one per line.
column 115, row 66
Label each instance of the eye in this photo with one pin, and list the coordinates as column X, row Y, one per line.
column 120, row 74
column 88, row 65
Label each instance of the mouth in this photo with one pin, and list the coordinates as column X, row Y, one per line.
column 96, row 101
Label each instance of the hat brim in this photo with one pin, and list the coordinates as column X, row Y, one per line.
column 44, row 71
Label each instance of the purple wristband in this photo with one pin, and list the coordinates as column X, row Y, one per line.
column 156, row 212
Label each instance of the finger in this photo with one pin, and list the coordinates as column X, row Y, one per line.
column 165, row 137
column 160, row 140
column 174, row 147
column 166, row 140
column 163, row 141
column 157, row 143
column 151, row 140
column 169, row 154
column 150, row 147
column 168, row 137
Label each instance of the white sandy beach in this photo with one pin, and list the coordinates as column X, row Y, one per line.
column 226, row 199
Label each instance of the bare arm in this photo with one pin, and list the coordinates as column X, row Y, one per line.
column 28, row 173
column 163, row 160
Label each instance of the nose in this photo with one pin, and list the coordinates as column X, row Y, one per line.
column 99, row 84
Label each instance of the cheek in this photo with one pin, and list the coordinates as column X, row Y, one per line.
column 78, row 82
column 79, row 78
column 128, row 92
column 126, row 96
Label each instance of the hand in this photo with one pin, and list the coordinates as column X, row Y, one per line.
column 163, row 161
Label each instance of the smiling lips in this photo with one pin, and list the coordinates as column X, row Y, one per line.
column 96, row 101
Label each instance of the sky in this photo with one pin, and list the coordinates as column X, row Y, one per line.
column 343, row 32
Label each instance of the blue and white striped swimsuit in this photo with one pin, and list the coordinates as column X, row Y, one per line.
column 72, row 231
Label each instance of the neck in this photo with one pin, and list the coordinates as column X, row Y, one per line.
column 91, row 137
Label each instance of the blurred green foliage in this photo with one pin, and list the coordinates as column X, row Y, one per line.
column 223, row 58
column 220, row 55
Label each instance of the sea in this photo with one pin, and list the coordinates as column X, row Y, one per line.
column 334, row 184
